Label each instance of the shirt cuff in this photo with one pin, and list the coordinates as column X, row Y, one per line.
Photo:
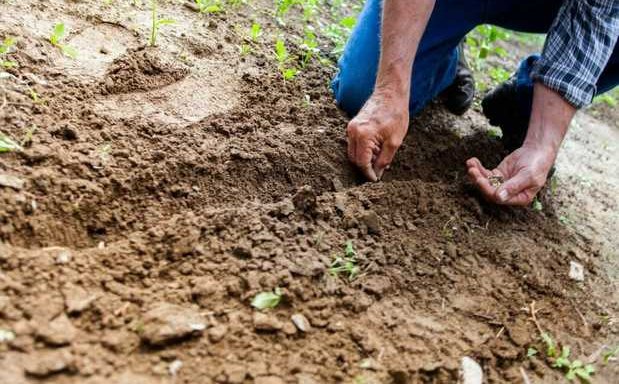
column 564, row 81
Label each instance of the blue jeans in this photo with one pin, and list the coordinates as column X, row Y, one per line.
column 437, row 55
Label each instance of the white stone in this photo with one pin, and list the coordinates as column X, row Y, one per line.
column 470, row 371
column 577, row 271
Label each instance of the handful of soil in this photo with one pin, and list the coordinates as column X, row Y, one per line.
column 495, row 180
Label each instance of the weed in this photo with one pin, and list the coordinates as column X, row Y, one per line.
column 209, row 6
column 531, row 352
column 244, row 49
column 573, row 369
column 537, row 205
column 267, row 300
column 157, row 23
column 255, row 32
column 610, row 354
column 58, row 34
column 5, row 49
column 309, row 46
column 283, row 59
column 7, row 144
column 607, row 99
column 346, row 264
column 338, row 33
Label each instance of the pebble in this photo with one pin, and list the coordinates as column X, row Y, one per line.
column 217, row 333
column 577, row 271
column 371, row 221
column 77, row 299
column 470, row 371
column 340, row 202
column 63, row 257
column 6, row 335
column 174, row 367
column 47, row 362
column 337, row 184
column 289, row 328
column 58, row 332
column 11, row 181
column 264, row 322
column 301, row 322
column 166, row 322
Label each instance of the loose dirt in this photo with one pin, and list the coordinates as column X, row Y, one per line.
column 163, row 188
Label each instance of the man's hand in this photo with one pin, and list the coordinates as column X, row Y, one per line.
column 524, row 172
column 377, row 132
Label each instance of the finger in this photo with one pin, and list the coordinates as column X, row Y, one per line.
column 475, row 163
column 352, row 141
column 385, row 157
column 482, row 183
column 522, row 199
column 514, row 188
column 363, row 158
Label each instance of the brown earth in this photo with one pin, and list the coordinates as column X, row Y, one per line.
column 165, row 187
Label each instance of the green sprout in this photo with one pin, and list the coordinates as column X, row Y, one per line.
column 346, row 264
column 58, row 34
column 7, row 144
column 283, row 58
column 255, row 31
column 267, row 300
column 5, row 49
column 537, row 205
column 209, row 6
column 309, row 46
column 573, row 369
column 157, row 23
column 611, row 354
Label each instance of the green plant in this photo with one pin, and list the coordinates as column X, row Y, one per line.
column 7, row 144
column 346, row 264
column 607, row 99
column 58, row 34
column 209, row 6
column 573, row 369
column 339, row 32
column 283, row 59
column 309, row 46
column 610, row 354
column 156, row 23
column 537, row 205
column 267, row 300
column 255, row 31
column 5, row 49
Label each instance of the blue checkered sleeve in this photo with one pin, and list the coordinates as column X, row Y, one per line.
column 577, row 48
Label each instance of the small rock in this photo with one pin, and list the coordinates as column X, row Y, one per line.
column 77, row 299
column 577, row 271
column 11, row 181
column 59, row 331
column 285, row 207
column 337, row 184
column 340, row 202
column 217, row 333
column 371, row 221
column 174, row 367
column 289, row 329
column 264, row 322
column 235, row 373
column 6, row 335
column 451, row 250
column 120, row 341
column 46, row 362
column 269, row 380
column 470, row 371
column 169, row 322
column 305, row 199
column 63, row 257
column 301, row 322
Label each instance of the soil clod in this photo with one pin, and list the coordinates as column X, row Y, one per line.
column 166, row 323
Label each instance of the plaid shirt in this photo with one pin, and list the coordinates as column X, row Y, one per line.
column 579, row 44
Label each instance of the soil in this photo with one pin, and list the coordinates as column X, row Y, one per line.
column 164, row 187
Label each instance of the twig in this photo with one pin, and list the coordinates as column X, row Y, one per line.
column 533, row 312
column 582, row 317
column 525, row 377
column 500, row 332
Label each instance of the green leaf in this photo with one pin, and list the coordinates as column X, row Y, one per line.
column 6, row 45
column 348, row 22
column 267, row 300
column 256, row 31
column 281, row 53
column 531, row 352
column 69, row 51
column 57, row 34
column 350, row 250
column 606, row 356
column 7, row 144
column 166, row 21
column 551, row 348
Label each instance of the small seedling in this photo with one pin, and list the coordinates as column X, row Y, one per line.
column 156, row 24
column 209, row 6
column 495, row 133
column 255, row 31
column 283, row 57
column 531, row 352
column 267, row 300
column 58, row 34
column 537, row 205
column 346, row 264
column 5, row 49
column 610, row 354
column 573, row 369
column 309, row 46
column 7, row 144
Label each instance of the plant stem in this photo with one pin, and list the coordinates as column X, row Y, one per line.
column 153, row 33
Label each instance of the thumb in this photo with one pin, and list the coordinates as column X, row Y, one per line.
column 385, row 157
column 512, row 187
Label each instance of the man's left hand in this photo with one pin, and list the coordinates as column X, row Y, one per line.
column 524, row 173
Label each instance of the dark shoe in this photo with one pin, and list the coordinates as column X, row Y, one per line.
column 458, row 97
column 501, row 107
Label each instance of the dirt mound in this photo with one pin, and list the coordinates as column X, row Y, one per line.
column 143, row 69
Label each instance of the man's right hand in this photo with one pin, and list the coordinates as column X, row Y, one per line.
column 377, row 132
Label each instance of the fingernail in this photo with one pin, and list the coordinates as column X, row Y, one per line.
column 503, row 195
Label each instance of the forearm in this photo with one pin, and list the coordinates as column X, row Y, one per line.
column 403, row 24
column 550, row 118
